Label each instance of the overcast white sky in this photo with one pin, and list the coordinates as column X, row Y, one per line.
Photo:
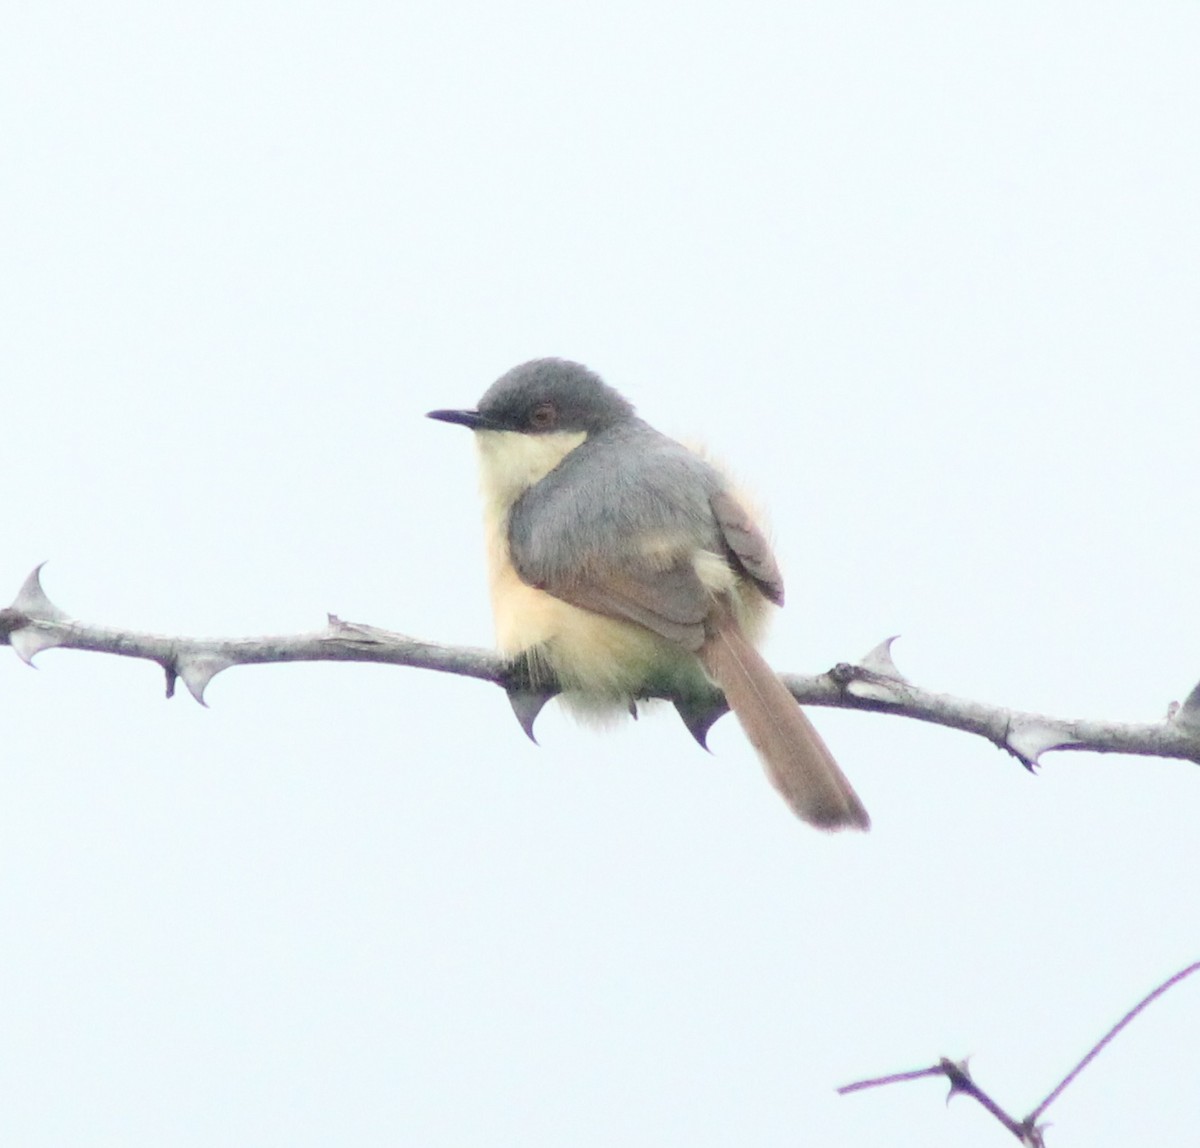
column 926, row 276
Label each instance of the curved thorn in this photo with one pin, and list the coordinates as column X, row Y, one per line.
column 198, row 670
column 699, row 717
column 1188, row 714
column 526, row 705
column 879, row 660
column 29, row 641
column 1027, row 740
column 32, row 600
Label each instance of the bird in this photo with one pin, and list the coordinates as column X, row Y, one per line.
column 623, row 564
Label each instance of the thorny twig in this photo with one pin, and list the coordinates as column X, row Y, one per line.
column 1028, row 1131
column 33, row 623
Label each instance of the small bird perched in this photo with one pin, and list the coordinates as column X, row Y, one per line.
column 621, row 562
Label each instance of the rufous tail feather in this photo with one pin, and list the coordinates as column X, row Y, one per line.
column 797, row 761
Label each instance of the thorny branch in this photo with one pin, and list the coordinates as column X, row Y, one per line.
column 1028, row 1131
column 33, row 624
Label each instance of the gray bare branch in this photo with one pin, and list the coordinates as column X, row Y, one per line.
column 33, row 623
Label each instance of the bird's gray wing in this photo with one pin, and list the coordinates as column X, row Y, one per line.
column 748, row 544
column 613, row 529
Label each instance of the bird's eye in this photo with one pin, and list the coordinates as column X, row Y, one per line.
column 544, row 416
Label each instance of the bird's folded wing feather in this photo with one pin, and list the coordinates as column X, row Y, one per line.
column 748, row 544
column 671, row 602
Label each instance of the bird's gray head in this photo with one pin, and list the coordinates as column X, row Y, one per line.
column 545, row 396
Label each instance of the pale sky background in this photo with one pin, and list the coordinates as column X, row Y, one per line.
column 926, row 276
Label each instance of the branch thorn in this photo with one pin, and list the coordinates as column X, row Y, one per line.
column 700, row 716
column 1188, row 714
column 879, row 660
column 1028, row 739
column 526, row 705
column 197, row 670
column 32, row 600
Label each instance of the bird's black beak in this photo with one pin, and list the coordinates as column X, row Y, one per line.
column 472, row 419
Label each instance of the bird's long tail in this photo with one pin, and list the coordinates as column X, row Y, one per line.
column 797, row 761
